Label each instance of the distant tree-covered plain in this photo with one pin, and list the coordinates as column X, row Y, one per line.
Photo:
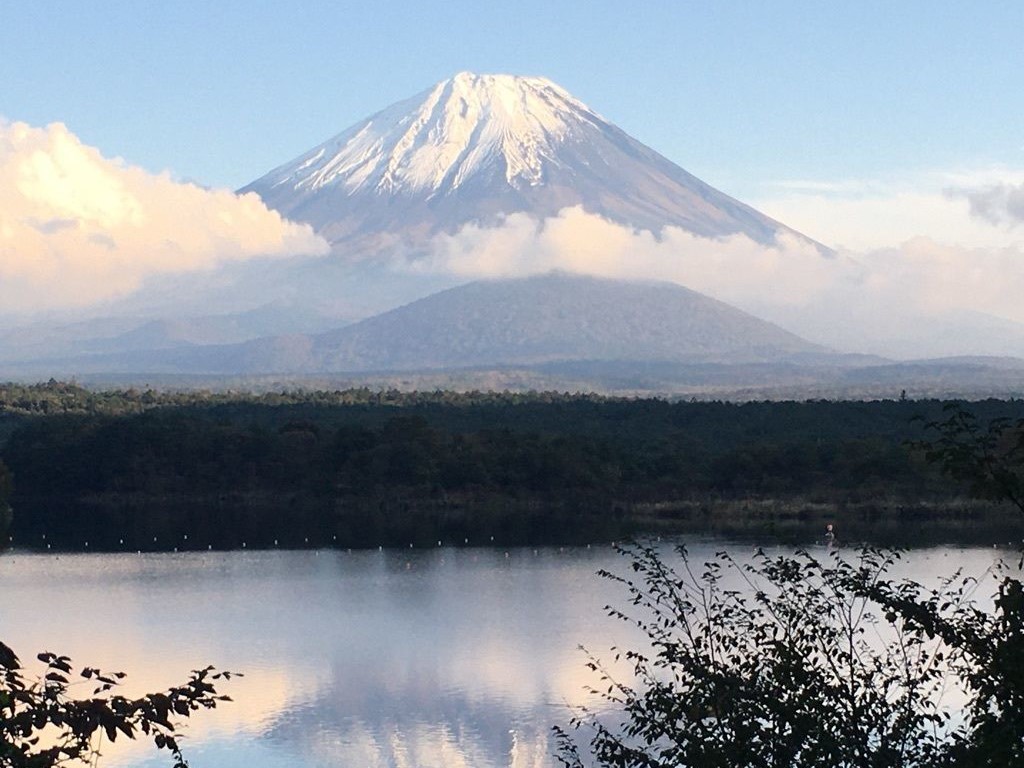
column 143, row 469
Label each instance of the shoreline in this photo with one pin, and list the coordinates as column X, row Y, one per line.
column 117, row 523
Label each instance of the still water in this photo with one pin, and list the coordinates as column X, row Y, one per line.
column 411, row 659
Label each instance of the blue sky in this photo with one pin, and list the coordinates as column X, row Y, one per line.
column 743, row 94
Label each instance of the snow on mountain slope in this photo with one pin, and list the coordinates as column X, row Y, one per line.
column 433, row 143
column 476, row 147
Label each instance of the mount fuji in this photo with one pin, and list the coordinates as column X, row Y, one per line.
column 475, row 148
column 471, row 153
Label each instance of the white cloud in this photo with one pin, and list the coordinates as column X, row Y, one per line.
column 578, row 241
column 853, row 300
column 999, row 204
column 866, row 214
column 77, row 228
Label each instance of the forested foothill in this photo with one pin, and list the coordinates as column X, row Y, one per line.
column 144, row 469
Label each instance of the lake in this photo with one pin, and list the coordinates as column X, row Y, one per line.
column 407, row 658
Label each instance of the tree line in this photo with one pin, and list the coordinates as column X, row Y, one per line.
column 358, row 468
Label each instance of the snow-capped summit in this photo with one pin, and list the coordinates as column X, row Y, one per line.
column 436, row 141
column 475, row 147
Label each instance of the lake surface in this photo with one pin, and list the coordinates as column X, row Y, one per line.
column 404, row 658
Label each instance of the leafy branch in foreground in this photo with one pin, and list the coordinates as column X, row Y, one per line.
column 985, row 660
column 42, row 725
column 791, row 661
column 781, row 662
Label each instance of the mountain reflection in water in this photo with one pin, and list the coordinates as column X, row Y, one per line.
column 449, row 657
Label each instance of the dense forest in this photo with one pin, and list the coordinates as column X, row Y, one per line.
column 158, row 470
